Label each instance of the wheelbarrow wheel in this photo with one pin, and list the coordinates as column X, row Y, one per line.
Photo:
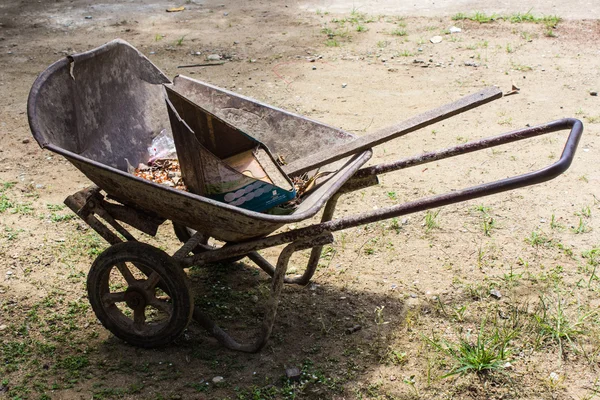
column 184, row 234
column 123, row 289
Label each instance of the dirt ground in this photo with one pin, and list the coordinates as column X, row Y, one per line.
column 514, row 271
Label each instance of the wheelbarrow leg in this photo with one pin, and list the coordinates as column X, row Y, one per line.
column 271, row 307
column 315, row 254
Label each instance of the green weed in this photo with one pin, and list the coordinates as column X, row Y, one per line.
column 486, row 354
column 431, row 220
column 399, row 32
column 538, row 238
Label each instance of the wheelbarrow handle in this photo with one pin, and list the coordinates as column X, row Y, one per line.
column 502, row 185
column 531, row 178
column 417, row 122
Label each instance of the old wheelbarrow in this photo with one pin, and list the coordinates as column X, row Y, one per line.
column 101, row 110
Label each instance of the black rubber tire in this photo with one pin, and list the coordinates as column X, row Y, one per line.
column 184, row 234
column 172, row 278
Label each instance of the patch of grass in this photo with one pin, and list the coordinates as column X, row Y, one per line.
column 395, row 225
column 431, row 221
column 521, row 67
column 482, row 18
column 73, row 363
column 392, row 196
column 179, row 41
column 482, row 355
column 55, row 207
column 361, row 28
column 592, row 119
column 553, row 325
column 61, row 218
column 582, row 227
column 554, row 224
column 488, row 222
column 399, row 32
column 5, row 203
column 405, row 53
column 22, row 208
column 593, row 257
column 538, row 238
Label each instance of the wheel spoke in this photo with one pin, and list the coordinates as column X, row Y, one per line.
column 161, row 305
column 152, row 281
column 126, row 273
column 112, row 298
column 139, row 318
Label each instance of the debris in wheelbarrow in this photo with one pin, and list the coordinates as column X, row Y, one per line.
column 163, row 171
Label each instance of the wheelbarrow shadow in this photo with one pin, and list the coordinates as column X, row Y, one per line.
column 315, row 324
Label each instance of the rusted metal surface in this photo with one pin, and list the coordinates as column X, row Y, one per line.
column 363, row 143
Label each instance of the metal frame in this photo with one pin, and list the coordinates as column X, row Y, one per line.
column 90, row 202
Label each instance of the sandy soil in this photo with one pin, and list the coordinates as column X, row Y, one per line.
column 407, row 283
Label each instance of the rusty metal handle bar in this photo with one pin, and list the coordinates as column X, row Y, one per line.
column 527, row 179
column 470, row 147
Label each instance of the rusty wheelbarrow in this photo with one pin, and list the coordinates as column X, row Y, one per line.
column 101, row 110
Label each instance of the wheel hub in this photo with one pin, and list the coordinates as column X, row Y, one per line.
column 135, row 299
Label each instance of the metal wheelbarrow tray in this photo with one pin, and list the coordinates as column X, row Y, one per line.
column 101, row 110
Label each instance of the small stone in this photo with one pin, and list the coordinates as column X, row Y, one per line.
column 25, row 141
column 88, row 17
column 344, row 85
column 420, row 49
column 417, row 61
column 39, row 186
column 218, row 379
column 293, row 374
column 554, row 376
column 9, row 273
column 471, row 64
column 3, row 327
column 353, row 329
column 254, row 299
column 593, row 93
column 314, row 68
column 507, row 365
column 152, row 52
column 392, row 378
column 213, row 57
column 436, row 39
column 454, row 29
column 384, row 60
column 496, row 294
column 225, row 13
column 392, row 69
column 404, row 221
column 412, row 295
